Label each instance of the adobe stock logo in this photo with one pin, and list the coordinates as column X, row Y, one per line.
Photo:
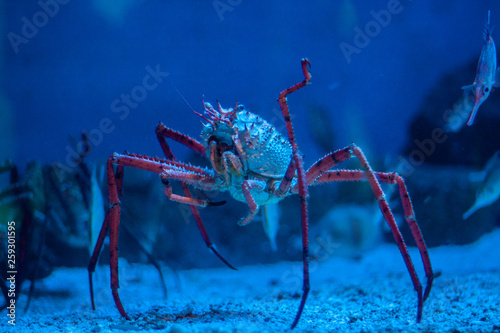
column 40, row 19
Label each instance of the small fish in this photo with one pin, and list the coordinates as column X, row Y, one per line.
column 271, row 222
column 486, row 72
column 489, row 191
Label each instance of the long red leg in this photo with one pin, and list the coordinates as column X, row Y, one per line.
column 167, row 190
column 386, row 211
column 285, row 184
column 112, row 219
column 417, row 233
column 319, row 173
column 114, row 224
column 390, row 178
column 111, row 223
column 302, row 183
column 163, row 132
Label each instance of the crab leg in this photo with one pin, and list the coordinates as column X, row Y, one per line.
column 319, row 173
column 254, row 207
column 302, row 183
column 163, row 132
column 112, row 219
column 390, row 178
column 111, row 223
column 155, row 164
column 172, row 170
column 326, row 163
column 167, row 190
column 286, row 183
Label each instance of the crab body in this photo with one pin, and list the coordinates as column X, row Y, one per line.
column 243, row 146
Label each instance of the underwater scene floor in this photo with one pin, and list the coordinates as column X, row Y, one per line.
column 371, row 294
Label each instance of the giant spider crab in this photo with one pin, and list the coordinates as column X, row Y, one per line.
column 252, row 161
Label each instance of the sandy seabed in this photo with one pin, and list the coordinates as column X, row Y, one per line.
column 372, row 294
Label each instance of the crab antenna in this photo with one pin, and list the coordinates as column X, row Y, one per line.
column 196, row 113
column 185, row 101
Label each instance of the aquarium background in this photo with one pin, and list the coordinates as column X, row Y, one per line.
column 114, row 69
column 65, row 78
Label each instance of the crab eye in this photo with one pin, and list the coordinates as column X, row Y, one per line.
column 486, row 89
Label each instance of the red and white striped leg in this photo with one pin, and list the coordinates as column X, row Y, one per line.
column 301, row 185
column 319, row 173
column 162, row 133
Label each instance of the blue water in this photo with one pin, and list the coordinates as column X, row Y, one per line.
column 112, row 68
column 64, row 78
